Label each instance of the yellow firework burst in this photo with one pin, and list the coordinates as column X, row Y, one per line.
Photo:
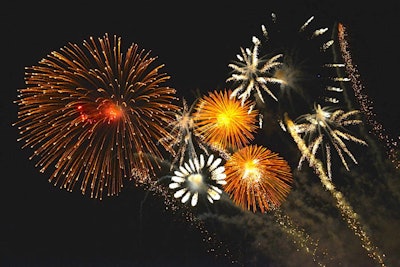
column 257, row 178
column 224, row 122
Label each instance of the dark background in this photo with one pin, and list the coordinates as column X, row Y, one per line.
column 42, row 225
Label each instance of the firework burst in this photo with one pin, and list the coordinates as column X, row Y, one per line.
column 326, row 126
column 179, row 141
column 346, row 210
column 199, row 177
column 304, row 63
column 223, row 122
column 257, row 178
column 92, row 113
column 253, row 73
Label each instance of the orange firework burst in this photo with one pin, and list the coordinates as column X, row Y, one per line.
column 92, row 113
column 223, row 122
column 257, row 177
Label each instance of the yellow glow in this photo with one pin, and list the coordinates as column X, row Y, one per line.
column 251, row 171
column 225, row 119
column 196, row 180
column 223, row 122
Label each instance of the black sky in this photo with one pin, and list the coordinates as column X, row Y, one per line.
column 42, row 225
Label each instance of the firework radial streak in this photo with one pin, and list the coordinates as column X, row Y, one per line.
column 351, row 217
column 94, row 113
column 257, row 178
column 199, row 176
column 223, row 122
column 328, row 125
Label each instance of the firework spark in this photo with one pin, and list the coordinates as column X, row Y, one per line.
column 253, row 73
column 223, row 122
column 297, row 72
column 257, row 178
column 365, row 103
column 185, row 213
column 328, row 123
column 300, row 237
column 92, row 113
column 180, row 138
column 347, row 212
column 193, row 179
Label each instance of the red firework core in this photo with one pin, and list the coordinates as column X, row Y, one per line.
column 106, row 112
column 112, row 112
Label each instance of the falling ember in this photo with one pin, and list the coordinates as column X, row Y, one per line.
column 257, row 178
column 186, row 214
column 300, row 237
column 93, row 113
column 351, row 217
column 365, row 103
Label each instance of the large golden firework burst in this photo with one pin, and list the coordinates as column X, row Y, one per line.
column 223, row 122
column 257, row 178
column 94, row 113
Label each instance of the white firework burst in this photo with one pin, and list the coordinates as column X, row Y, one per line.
column 325, row 126
column 310, row 41
column 179, row 141
column 253, row 73
column 199, row 177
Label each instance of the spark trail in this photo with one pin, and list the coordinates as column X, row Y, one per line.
column 351, row 217
column 365, row 103
column 300, row 237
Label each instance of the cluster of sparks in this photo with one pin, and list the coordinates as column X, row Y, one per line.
column 351, row 217
column 328, row 123
column 179, row 141
column 253, row 73
column 223, row 122
column 257, row 178
column 363, row 100
column 189, row 180
column 325, row 126
column 93, row 113
column 300, row 237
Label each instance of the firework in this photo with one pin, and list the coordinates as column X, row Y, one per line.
column 300, row 237
column 349, row 215
column 257, row 178
column 364, row 102
column 223, row 122
column 326, row 126
column 298, row 72
column 92, row 113
column 253, row 73
column 199, row 177
column 180, row 138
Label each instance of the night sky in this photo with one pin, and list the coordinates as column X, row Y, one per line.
column 42, row 225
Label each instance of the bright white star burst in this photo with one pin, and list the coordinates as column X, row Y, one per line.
column 199, row 177
column 253, row 73
column 328, row 123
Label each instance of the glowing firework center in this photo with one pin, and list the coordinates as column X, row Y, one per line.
column 198, row 177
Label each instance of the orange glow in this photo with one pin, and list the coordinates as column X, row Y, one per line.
column 257, row 178
column 223, row 122
column 113, row 112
